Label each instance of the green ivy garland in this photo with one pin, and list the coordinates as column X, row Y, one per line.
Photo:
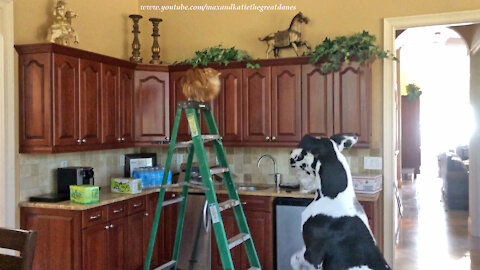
column 413, row 91
column 218, row 54
column 359, row 47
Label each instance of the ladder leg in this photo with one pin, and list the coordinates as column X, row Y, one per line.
column 161, row 195
column 232, row 193
column 214, row 211
column 181, row 214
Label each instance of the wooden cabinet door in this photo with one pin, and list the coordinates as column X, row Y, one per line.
column 65, row 77
column 176, row 95
column 110, row 89
column 231, row 229
column 152, row 106
column 95, row 247
column 135, row 241
column 230, row 105
column 257, row 104
column 152, row 200
column 126, row 106
column 35, row 100
column 90, row 102
column 352, row 101
column 167, row 229
column 214, row 106
column 317, row 102
column 286, row 103
column 261, row 230
column 117, row 236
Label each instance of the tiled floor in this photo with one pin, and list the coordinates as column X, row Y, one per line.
column 430, row 237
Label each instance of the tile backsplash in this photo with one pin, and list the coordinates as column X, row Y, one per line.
column 37, row 171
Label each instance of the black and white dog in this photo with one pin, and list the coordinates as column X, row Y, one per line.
column 334, row 226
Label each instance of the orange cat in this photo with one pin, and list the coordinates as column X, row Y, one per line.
column 201, row 84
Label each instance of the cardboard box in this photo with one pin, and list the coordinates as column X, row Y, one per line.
column 84, row 194
column 126, row 185
column 368, row 184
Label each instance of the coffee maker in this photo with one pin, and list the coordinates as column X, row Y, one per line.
column 65, row 178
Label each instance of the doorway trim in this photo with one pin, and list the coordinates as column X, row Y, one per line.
column 390, row 25
column 8, row 116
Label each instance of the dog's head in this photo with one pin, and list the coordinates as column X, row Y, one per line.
column 320, row 163
column 201, row 84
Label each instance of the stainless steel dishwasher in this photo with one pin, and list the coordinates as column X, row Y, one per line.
column 195, row 248
column 288, row 222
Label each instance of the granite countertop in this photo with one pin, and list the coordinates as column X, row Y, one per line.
column 107, row 197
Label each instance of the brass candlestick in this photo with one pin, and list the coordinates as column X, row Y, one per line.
column 136, row 43
column 155, row 46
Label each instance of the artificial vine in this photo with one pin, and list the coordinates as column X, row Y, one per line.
column 218, row 54
column 359, row 47
column 413, row 91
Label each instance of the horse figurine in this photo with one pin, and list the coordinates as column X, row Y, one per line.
column 290, row 38
column 61, row 30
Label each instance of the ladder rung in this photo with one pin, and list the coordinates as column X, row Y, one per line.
column 218, row 170
column 167, row 266
column 237, row 240
column 194, row 184
column 253, row 268
column 205, row 138
column 172, row 201
column 228, row 204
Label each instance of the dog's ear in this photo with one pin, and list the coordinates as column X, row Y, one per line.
column 344, row 140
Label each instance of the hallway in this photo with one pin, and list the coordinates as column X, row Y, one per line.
column 431, row 237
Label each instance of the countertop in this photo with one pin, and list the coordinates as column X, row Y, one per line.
column 107, row 197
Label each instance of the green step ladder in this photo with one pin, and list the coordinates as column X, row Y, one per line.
column 196, row 145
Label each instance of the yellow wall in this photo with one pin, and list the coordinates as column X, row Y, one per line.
column 103, row 25
column 184, row 32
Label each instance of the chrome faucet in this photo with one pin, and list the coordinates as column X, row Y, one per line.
column 277, row 177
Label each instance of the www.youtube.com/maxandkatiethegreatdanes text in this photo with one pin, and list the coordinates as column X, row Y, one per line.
column 227, row 7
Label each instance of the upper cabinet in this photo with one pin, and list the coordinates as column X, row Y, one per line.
column 73, row 100
column 152, row 122
column 352, row 91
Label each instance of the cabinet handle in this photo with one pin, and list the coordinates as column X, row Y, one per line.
column 79, row 141
column 147, row 214
column 116, row 211
column 267, row 138
column 107, row 227
column 137, row 205
column 274, row 138
column 95, row 217
column 111, row 226
column 84, row 140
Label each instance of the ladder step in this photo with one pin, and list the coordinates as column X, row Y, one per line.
column 218, row 170
column 172, row 201
column 205, row 138
column 167, row 266
column 197, row 185
column 253, row 268
column 237, row 240
column 228, row 204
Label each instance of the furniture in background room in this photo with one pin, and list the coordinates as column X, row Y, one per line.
column 18, row 240
column 454, row 173
column 411, row 155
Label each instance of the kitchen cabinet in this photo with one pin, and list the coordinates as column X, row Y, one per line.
column 352, row 95
column 317, row 102
column 135, row 241
column 95, row 243
column 257, row 111
column 73, row 100
column 272, row 100
column 176, row 95
column 152, row 106
column 230, row 123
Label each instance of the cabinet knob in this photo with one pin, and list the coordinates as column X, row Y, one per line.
column 274, row 138
column 79, row 141
column 267, row 138
column 119, row 139
column 111, row 226
column 84, row 140
column 167, row 138
column 147, row 214
column 107, row 227
column 123, row 139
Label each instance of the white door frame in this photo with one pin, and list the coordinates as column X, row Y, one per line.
column 390, row 25
column 8, row 113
